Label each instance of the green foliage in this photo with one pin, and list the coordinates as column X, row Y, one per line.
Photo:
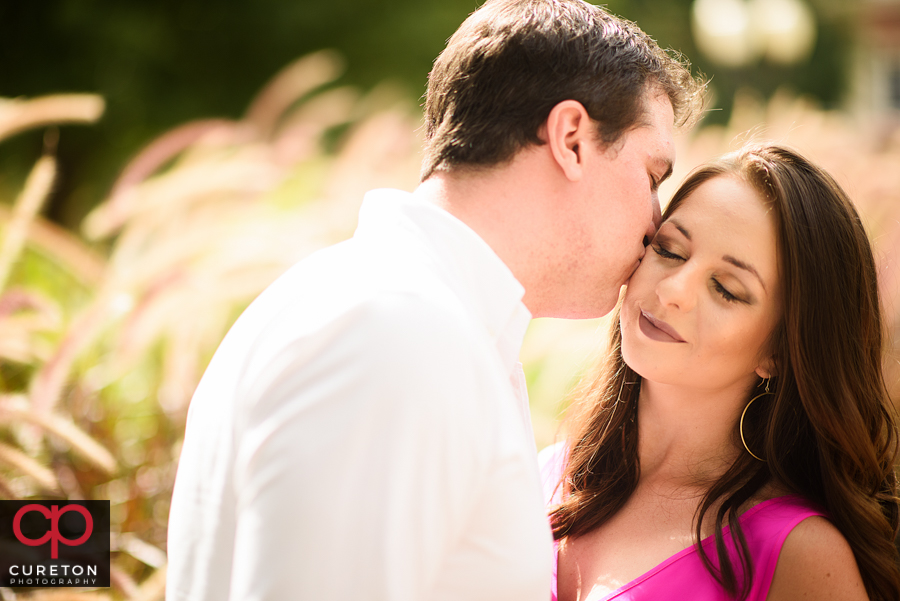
column 162, row 63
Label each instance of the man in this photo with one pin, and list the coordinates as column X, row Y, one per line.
column 363, row 430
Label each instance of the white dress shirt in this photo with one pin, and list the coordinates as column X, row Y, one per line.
column 363, row 433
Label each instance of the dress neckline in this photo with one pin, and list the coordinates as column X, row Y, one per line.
column 680, row 554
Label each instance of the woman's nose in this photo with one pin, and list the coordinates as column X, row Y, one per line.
column 678, row 289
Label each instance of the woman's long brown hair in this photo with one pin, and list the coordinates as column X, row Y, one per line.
column 829, row 432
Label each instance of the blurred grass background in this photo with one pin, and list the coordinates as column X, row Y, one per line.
column 159, row 63
column 143, row 209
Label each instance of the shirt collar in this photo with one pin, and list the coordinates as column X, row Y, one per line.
column 483, row 282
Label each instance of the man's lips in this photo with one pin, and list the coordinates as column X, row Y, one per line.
column 656, row 329
column 636, row 265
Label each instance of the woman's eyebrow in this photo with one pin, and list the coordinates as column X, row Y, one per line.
column 680, row 228
column 745, row 266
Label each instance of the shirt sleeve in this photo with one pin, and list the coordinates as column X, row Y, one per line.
column 552, row 462
column 359, row 455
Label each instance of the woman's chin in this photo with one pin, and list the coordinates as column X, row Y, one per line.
column 634, row 362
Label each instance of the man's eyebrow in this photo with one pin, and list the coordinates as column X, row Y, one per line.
column 745, row 266
column 668, row 163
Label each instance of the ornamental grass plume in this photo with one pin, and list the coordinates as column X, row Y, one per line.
column 110, row 332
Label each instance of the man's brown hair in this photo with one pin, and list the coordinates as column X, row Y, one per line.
column 512, row 61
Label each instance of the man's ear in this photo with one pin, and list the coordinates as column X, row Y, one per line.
column 568, row 129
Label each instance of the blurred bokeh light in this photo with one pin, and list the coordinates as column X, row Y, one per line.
column 735, row 33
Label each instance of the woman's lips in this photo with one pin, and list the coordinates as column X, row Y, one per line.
column 656, row 329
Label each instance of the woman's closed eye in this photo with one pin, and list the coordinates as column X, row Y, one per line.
column 724, row 292
column 666, row 254
column 726, row 295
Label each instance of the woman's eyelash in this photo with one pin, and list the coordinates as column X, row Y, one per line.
column 662, row 252
column 725, row 294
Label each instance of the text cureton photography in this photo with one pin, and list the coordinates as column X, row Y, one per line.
column 52, row 575
column 54, row 543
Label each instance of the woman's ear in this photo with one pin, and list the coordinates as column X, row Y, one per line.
column 568, row 129
column 766, row 368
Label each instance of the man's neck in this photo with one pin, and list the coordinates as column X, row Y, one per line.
column 508, row 206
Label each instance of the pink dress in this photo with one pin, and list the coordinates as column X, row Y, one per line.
column 683, row 576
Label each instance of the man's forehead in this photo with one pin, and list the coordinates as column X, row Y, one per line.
column 658, row 111
column 654, row 133
column 659, row 129
column 660, row 144
column 662, row 125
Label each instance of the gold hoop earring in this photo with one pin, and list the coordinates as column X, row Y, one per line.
column 741, row 427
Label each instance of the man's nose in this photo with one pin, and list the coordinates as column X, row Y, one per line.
column 655, row 219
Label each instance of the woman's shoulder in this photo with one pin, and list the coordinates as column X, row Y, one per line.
column 779, row 507
column 816, row 562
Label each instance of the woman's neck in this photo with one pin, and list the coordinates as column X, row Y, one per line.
column 686, row 436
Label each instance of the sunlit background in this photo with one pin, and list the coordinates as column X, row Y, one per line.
column 162, row 162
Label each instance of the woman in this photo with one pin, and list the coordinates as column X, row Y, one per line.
column 743, row 406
